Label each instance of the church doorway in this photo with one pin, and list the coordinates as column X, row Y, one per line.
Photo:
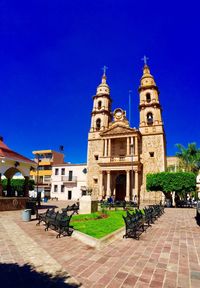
column 120, row 187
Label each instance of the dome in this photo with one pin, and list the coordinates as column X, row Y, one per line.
column 103, row 88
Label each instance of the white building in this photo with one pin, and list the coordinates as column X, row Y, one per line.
column 68, row 181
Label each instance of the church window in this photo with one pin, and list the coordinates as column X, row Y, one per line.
column 95, row 181
column 151, row 154
column 99, row 105
column 148, row 97
column 96, row 157
column 149, row 118
column 98, row 124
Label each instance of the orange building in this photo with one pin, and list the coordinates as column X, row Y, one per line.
column 45, row 159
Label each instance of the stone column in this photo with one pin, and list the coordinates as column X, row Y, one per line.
column 92, row 128
column 127, row 185
column 9, row 189
column 100, row 185
column 1, row 187
column 109, row 147
column 108, row 184
column 136, row 146
column 26, row 188
column 128, row 147
column 105, row 148
column 136, row 187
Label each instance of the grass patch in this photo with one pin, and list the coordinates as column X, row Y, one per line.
column 91, row 224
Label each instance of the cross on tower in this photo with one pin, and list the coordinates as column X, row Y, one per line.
column 104, row 69
column 145, row 58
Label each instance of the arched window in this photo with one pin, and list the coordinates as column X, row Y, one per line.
column 99, row 105
column 98, row 124
column 149, row 118
column 148, row 97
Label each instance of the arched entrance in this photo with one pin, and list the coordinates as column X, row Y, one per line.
column 120, row 187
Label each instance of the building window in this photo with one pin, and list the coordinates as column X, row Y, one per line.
column 151, row 154
column 149, row 118
column 99, row 105
column 96, row 157
column 98, row 124
column 62, row 189
column 148, row 97
column 56, row 171
column 69, row 194
column 63, row 171
column 95, row 181
column 70, row 175
column 55, row 188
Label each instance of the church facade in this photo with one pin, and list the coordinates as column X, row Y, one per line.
column 119, row 156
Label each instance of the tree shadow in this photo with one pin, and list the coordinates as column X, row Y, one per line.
column 14, row 276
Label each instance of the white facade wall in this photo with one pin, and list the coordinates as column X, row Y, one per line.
column 66, row 178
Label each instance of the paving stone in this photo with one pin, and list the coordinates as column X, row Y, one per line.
column 166, row 256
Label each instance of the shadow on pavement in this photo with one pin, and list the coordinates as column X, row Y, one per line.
column 15, row 276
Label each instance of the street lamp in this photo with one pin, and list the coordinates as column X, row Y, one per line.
column 132, row 151
column 37, row 176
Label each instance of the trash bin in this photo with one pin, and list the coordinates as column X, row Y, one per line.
column 45, row 199
column 26, row 215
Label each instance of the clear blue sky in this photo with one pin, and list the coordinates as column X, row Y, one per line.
column 51, row 55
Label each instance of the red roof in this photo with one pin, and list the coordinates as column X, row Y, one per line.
column 6, row 152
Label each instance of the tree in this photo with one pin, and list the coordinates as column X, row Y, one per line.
column 18, row 184
column 189, row 157
column 167, row 182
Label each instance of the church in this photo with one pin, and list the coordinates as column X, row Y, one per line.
column 119, row 157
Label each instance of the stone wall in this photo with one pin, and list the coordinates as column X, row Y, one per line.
column 12, row 203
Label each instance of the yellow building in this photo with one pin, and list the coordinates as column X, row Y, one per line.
column 45, row 159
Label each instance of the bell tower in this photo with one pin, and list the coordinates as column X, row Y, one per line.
column 152, row 130
column 101, row 112
column 101, row 117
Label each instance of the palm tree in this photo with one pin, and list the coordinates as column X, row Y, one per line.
column 189, row 157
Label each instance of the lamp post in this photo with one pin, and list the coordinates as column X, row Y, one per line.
column 37, row 176
column 132, row 151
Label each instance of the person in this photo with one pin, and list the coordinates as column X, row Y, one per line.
column 110, row 200
column 135, row 199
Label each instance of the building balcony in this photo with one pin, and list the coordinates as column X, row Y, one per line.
column 67, row 179
column 118, row 159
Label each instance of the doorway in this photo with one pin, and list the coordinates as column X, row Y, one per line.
column 120, row 187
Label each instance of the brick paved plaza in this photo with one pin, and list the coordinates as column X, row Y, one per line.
column 167, row 255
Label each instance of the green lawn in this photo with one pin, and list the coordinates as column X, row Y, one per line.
column 98, row 228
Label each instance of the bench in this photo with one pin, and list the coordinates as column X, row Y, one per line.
column 134, row 225
column 136, row 222
column 118, row 204
column 59, row 222
column 43, row 216
column 74, row 208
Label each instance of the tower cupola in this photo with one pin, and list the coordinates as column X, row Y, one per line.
column 103, row 88
column 147, row 80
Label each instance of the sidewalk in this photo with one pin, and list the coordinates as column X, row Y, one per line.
column 167, row 255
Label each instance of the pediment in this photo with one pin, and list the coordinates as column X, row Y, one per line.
column 118, row 130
